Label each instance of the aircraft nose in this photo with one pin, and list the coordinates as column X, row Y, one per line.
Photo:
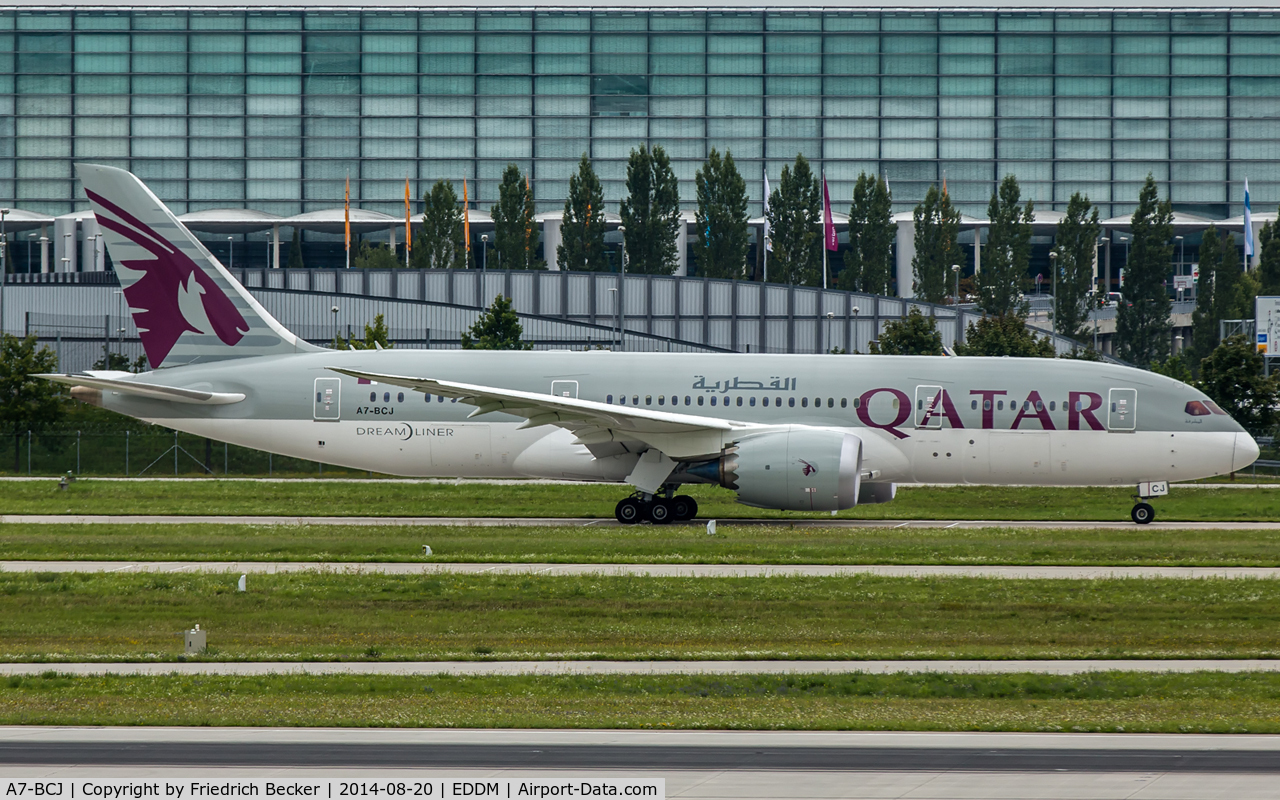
column 1246, row 452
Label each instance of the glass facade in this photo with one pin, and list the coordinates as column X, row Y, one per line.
column 274, row 110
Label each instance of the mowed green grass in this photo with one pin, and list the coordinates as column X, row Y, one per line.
column 643, row 544
column 330, row 616
column 1102, row 702
column 375, row 498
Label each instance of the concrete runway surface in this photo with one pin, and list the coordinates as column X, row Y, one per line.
column 655, row 570
column 1043, row 667
column 780, row 765
column 834, row 522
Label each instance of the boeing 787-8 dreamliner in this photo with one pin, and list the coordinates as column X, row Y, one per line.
column 792, row 432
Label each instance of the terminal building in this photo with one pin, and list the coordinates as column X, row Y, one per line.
column 252, row 120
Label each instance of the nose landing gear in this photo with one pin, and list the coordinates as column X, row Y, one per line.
column 658, row 509
column 1142, row 512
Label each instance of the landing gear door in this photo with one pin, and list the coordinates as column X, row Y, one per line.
column 929, row 407
column 328, row 393
column 565, row 389
column 1122, row 413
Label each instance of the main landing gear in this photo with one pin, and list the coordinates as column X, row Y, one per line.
column 1142, row 512
column 656, row 508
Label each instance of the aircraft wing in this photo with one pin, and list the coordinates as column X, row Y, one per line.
column 597, row 425
column 148, row 390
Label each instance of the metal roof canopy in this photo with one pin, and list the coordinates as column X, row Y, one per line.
column 230, row 220
column 17, row 220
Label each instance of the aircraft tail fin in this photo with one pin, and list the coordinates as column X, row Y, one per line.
column 187, row 307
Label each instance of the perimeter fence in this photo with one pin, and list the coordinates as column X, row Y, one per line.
column 155, row 453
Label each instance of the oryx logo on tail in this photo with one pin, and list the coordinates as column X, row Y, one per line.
column 173, row 296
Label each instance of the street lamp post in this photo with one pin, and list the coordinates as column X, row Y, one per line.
column 336, row 330
column 831, row 315
column 1053, row 264
column 1182, row 261
column 622, row 283
column 955, row 268
column 1106, row 287
column 855, row 328
column 484, row 252
column 616, row 318
column 4, row 263
column 231, row 256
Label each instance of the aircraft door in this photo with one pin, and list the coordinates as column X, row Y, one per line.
column 1122, row 414
column 928, row 412
column 565, row 389
column 328, row 393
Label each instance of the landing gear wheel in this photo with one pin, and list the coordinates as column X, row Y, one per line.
column 683, row 507
column 660, row 512
column 628, row 511
column 1143, row 513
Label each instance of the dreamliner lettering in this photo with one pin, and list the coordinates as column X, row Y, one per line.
column 405, row 432
column 173, row 296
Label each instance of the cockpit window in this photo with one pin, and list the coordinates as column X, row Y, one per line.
column 1196, row 408
column 1214, row 407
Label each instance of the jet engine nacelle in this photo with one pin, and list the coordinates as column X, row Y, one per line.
column 791, row 469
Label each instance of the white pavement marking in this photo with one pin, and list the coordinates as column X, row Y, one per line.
column 482, row 668
column 653, row 570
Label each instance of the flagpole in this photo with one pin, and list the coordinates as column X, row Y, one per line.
column 766, row 228
column 1248, row 227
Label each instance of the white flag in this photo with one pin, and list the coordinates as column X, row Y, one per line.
column 1248, row 223
column 768, row 237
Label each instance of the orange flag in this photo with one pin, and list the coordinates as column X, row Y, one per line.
column 408, row 234
column 346, row 220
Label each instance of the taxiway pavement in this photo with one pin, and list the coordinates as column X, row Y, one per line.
column 473, row 668
column 754, row 765
column 426, row 567
column 834, row 522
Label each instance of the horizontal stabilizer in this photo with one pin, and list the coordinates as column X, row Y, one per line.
column 148, row 390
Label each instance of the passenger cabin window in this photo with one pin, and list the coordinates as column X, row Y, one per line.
column 699, row 399
column 844, row 402
column 635, row 399
column 1053, row 405
column 1000, row 406
column 373, row 397
column 764, row 401
column 986, row 405
column 791, row 402
column 662, row 400
column 688, row 400
column 648, row 399
column 857, row 402
column 739, row 402
column 713, row 401
column 804, row 402
column 386, row 397
column 608, row 399
column 753, row 402
column 777, row 401
column 400, row 397
column 831, row 402
column 973, row 404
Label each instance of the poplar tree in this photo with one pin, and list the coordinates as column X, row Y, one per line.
column 795, row 225
column 868, row 263
column 295, row 251
column 937, row 224
column 651, row 213
column 1269, row 259
column 582, row 228
column 438, row 243
column 1076, row 244
column 1142, row 321
column 515, row 234
column 27, row 403
column 721, row 217
column 1204, row 320
column 1004, row 270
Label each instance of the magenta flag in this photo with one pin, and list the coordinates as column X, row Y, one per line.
column 828, row 224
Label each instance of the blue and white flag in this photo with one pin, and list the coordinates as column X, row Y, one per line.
column 1248, row 223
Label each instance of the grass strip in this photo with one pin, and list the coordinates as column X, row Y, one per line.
column 1114, row 702
column 645, row 544
column 330, row 616
column 597, row 501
